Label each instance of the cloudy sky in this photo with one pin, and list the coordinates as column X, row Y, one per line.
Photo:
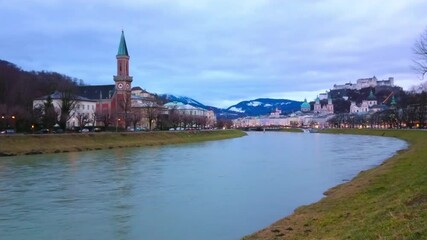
column 218, row 52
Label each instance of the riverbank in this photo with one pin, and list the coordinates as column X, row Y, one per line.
column 386, row 202
column 12, row 145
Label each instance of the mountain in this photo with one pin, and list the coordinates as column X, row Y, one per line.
column 264, row 106
column 221, row 113
column 185, row 100
column 257, row 107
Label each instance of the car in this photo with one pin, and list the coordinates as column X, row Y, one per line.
column 43, row 131
column 85, row 130
column 97, row 129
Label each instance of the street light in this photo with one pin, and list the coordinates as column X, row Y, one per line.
column 117, row 124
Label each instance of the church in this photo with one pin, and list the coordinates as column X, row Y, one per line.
column 101, row 105
column 113, row 102
column 120, row 105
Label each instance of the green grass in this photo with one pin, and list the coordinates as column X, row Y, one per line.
column 51, row 143
column 387, row 202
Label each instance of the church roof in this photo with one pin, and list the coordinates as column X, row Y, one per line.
column 59, row 95
column 96, row 92
column 305, row 104
column 393, row 101
column 371, row 96
column 123, row 50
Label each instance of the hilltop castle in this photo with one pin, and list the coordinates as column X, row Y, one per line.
column 365, row 83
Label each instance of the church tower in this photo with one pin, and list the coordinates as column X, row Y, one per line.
column 317, row 105
column 330, row 106
column 121, row 102
column 122, row 79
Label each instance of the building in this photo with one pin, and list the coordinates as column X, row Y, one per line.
column 103, row 104
column 276, row 113
column 113, row 101
column 82, row 109
column 366, row 106
column 325, row 109
column 305, row 106
column 365, row 83
column 190, row 116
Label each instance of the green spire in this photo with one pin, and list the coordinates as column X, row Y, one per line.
column 393, row 101
column 371, row 96
column 123, row 50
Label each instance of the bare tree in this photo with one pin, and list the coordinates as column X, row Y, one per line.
column 124, row 107
column 135, row 117
column 68, row 102
column 82, row 118
column 420, row 51
column 151, row 112
column 104, row 117
column 174, row 117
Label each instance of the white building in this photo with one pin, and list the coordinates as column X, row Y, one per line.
column 366, row 105
column 189, row 110
column 82, row 112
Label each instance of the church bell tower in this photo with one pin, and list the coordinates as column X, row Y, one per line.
column 122, row 79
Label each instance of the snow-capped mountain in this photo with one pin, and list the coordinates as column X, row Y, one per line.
column 257, row 107
column 183, row 99
column 264, row 106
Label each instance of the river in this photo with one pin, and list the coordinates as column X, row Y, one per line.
column 210, row 190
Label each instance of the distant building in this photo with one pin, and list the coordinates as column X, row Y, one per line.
column 192, row 113
column 366, row 105
column 365, row 83
column 323, row 96
column 325, row 109
column 305, row 106
column 276, row 113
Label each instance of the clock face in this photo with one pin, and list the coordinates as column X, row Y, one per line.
column 120, row 85
column 127, row 86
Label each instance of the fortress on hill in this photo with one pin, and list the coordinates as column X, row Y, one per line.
column 365, row 83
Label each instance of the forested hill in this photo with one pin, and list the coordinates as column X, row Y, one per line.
column 18, row 88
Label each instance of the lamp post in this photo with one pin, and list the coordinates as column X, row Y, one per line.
column 117, row 124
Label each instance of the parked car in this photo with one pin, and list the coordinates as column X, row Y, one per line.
column 97, row 129
column 43, row 131
column 8, row 131
column 85, row 130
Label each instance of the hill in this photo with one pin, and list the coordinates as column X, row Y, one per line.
column 264, row 106
column 18, row 88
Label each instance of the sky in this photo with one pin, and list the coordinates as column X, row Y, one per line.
column 218, row 52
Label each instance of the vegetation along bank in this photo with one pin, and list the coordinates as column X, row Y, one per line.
column 386, row 202
column 11, row 145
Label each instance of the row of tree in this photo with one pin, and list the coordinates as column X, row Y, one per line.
column 413, row 114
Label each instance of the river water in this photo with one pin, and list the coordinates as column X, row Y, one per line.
column 210, row 190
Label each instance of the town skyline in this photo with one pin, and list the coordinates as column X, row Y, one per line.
column 219, row 53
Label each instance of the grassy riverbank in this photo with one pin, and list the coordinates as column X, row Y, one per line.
column 387, row 202
column 56, row 143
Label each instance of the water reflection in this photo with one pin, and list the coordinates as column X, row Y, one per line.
column 212, row 190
